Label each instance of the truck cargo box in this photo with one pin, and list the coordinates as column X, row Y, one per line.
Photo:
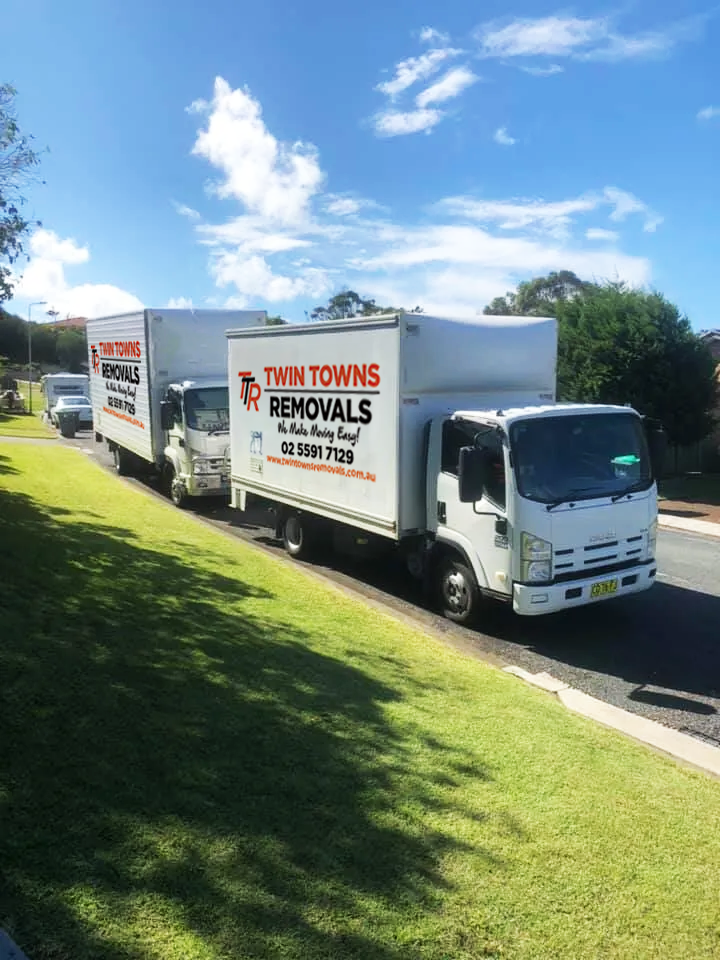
column 330, row 417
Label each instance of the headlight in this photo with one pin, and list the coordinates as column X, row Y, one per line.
column 652, row 539
column 536, row 559
column 201, row 466
column 536, row 571
column 533, row 548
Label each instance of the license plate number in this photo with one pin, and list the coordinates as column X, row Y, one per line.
column 604, row 588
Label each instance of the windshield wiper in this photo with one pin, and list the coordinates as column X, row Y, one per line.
column 635, row 488
column 568, row 498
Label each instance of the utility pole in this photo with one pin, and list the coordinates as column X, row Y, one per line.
column 36, row 303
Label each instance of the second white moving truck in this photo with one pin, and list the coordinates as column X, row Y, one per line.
column 159, row 392
column 442, row 436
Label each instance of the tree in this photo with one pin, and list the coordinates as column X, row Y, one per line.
column 71, row 349
column 347, row 305
column 274, row 321
column 17, row 160
column 619, row 345
column 539, row 297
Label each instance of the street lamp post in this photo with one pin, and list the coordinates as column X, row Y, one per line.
column 36, row 303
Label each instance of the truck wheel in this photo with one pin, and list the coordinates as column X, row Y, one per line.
column 121, row 461
column 459, row 594
column 297, row 535
column 177, row 491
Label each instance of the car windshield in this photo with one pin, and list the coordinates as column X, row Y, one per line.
column 73, row 402
column 580, row 456
column 208, row 409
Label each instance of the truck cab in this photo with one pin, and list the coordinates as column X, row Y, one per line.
column 543, row 507
column 195, row 417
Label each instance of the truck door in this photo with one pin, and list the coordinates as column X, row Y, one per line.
column 480, row 528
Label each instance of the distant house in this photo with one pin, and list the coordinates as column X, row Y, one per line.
column 78, row 322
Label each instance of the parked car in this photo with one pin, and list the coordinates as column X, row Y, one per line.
column 70, row 414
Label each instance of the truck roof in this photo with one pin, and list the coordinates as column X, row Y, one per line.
column 509, row 416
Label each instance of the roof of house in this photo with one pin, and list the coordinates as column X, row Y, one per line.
column 71, row 322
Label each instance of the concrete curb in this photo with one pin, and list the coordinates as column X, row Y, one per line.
column 678, row 745
column 704, row 527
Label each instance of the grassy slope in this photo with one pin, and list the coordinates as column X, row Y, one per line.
column 23, row 425
column 204, row 754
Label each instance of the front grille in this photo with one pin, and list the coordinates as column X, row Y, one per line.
column 597, row 559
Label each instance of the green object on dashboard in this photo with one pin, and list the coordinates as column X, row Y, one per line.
column 627, row 461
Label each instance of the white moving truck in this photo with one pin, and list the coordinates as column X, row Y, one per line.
column 159, row 392
column 442, row 437
column 56, row 385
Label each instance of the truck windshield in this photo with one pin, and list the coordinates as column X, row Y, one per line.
column 578, row 457
column 208, row 409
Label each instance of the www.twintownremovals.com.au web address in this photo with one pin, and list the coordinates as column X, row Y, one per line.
column 322, row 468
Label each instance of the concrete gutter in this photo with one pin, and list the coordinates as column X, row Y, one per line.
column 678, row 745
column 704, row 527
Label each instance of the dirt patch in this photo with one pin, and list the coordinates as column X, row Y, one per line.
column 690, row 510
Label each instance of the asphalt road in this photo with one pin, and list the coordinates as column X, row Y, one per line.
column 656, row 654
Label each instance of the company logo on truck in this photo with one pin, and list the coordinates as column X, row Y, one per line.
column 95, row 358
column 250, row 391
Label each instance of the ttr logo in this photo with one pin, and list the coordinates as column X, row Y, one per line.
column 250, row 390
column 95, row 359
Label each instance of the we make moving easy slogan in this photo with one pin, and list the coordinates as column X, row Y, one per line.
column 118, row 363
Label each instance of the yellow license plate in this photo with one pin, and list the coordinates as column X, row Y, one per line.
column 604, row 588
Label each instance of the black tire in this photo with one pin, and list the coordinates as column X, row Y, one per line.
column 458, row 591
column 298, row 536
column 176, row 488
column 122, row 462
column 98, row 437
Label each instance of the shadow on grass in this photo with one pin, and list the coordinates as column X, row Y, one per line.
column 6, row 466
column 168, row 760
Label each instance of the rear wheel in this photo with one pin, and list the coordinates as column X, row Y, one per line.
column 458, row 589
column 298, row 536
column 121, row 460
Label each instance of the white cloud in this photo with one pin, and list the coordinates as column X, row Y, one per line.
column 44, row 279
column 553, row 217
column 396, row 123
column 186, row 211
column 46, row 245
column 708, row 113
column 547, row 36
column 254, row 278
column 550, row 71
column 625, row 203
column 343, row 206
column 448, row 86
column 179, row 303
column 431, row 35
column 502, row 137
column 599, row 233
column 453, row 257
column 272, row 179
column 582, row 38
column 410, row 71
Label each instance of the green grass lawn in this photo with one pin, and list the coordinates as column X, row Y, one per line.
column 23, row 425
column 205, row 754
column 704, row 488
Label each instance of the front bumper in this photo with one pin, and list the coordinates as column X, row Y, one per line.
column 535, row 600
column 207, row 485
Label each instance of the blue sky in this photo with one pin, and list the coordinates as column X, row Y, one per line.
column 268, row 155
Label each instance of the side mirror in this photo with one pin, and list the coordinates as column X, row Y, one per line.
column 167, row 414
column 657, row 442
column 472, row 474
